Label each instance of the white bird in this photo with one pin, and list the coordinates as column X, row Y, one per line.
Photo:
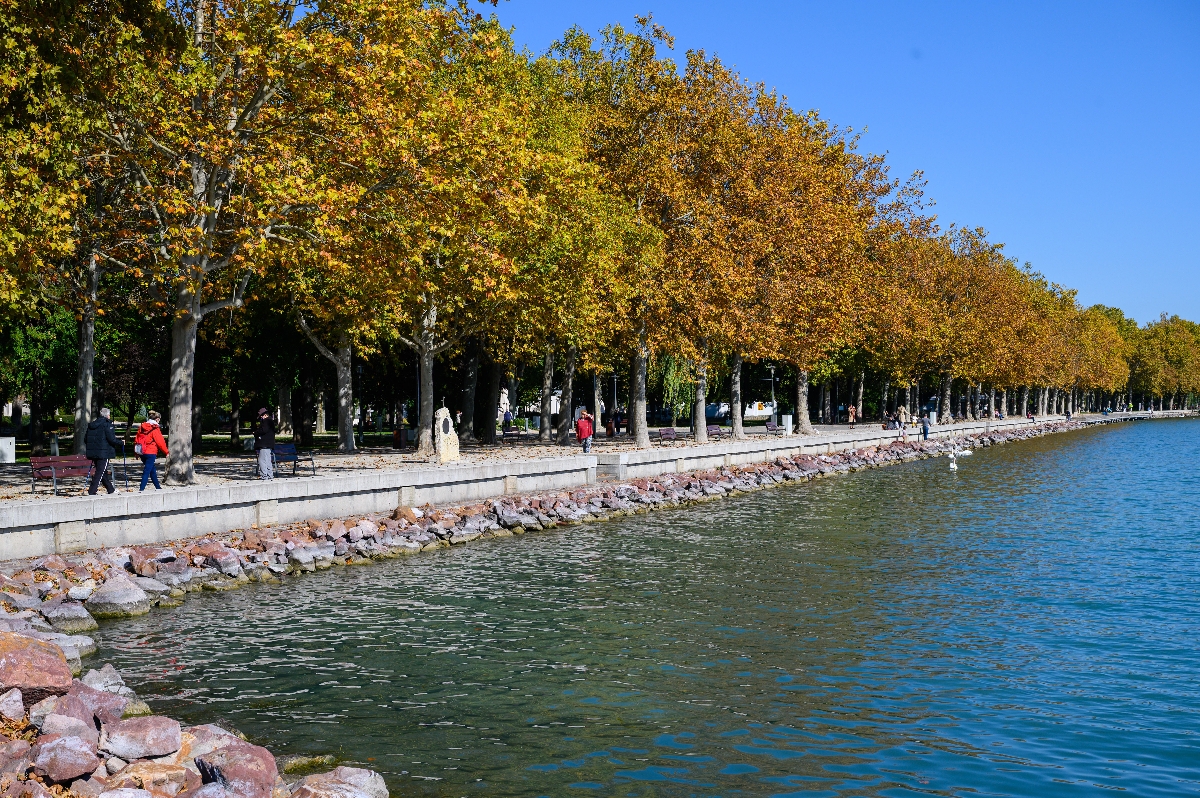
column 953, row 462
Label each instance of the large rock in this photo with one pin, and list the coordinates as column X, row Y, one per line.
column 219, row 556
column 104, row 706
column 160, row 779
column 138, row 738
column 342, row 782
column 118, row 598
column 244, row 770
column 12, row 706
column 64, row 759
column 25, row 789
column 37, row 668
column 125, row 792
column 14, row 757
column 108, row 680
column 68, row 726
column 69, row 617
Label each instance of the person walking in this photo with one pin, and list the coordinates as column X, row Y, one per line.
column 101, row 445
column 264, row 442
column 149, row 444
column 852, row 415
column 925, row 426
column 584, row 430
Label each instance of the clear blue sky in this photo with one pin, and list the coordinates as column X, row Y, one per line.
column 1071, row 132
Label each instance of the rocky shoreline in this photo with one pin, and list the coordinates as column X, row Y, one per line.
column 92, row 737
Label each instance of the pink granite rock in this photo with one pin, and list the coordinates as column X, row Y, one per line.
column 342, row 782
column 104, row 706
column 63, row 759
column 244, row 770
column 138, row 738
column 37, row 668
column 70, row 726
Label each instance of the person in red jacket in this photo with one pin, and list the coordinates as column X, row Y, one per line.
column 584, row 430
column 150, row 444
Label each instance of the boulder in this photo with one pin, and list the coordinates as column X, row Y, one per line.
column 125, row 792
column 90, row 787
column 219, row 556
column 81, row 592
column 37, row 668
column 153, row 587
column 64, row 759
column 12, row 706
column 342, row 782
column 107, row 680
column 69, row 617
column 138, row 738
column 118, row 598
column 160, row 779
column 69, row 726
column 208, row 791
column 14, row 757
column 243, row 769
column 25, row 789
column 103, row 706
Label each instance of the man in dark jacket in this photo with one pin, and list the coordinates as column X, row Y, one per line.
column 101, row 442
column 264, row 441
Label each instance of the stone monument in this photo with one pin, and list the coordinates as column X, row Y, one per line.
column 445, row 439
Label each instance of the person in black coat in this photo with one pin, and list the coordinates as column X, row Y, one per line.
column 101, row 446
column 264, row 441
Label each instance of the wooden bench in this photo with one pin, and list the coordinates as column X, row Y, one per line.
column 55, row 468
column 774, row 428
column 667, row 434
column 714, row 431
column 286, row 453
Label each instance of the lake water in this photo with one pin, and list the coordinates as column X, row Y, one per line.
column 1025, row 626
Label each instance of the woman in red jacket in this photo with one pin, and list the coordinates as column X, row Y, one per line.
column 150, row 445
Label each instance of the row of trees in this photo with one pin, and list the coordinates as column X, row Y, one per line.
column 377, row 175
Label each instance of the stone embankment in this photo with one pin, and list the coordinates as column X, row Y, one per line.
column 92, row 738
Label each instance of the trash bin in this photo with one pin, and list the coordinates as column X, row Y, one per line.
column 8, row 450
column 786, row 423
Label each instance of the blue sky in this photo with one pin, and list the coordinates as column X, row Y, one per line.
column 1070, row 131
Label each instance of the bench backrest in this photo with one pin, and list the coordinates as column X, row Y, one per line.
column 772, row 426
column 667, row 434
column 284, row 451
column 713, row 429
column 63, row 465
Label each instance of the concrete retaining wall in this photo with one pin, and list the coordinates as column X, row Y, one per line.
column 45, row 527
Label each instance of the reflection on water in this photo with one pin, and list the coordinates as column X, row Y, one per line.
column 1026, row 626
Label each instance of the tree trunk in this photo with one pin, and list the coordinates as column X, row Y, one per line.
column 883, row 397
column 905, row 401
column 547, row 416
column 566, row 405
column 735, row 398
column 597, row 399
column 858, row 400
column 486, row 425
column 304, row 421
column 36, row 445
column 992, row 402
column 803, row 421
column 321, row 413
column 235, row 416
column 197, row 427
column 85, row 379
column 640, row 361
column 342, row 361
column 944, row 406
column 466, row 430
column 699, row 419
column 825, row 399
column 180, row 470
column 425, row 413
column 284, row 403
